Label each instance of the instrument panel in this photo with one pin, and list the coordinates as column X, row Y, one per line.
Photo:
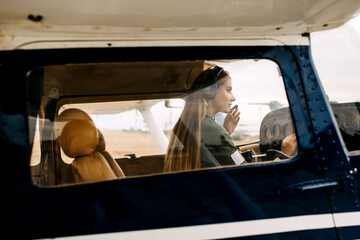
column 275, row 126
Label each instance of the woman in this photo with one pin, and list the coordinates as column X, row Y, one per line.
column 197, row 141
column 217, row 138
column 211, row 93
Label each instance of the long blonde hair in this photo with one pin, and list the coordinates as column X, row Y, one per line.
column 183, row 152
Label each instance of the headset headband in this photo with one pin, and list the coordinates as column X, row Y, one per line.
column 208, row 77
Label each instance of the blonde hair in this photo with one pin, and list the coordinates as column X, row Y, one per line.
column 183, row 152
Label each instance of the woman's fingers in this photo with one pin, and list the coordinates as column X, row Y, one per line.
column 231, row 120
column 237, row 116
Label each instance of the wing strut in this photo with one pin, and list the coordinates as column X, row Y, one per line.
column 155, row 129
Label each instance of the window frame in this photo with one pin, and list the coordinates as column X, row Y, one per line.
column 128, row 97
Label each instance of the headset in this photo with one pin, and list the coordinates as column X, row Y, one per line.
column 209, row 92
column 206, row 82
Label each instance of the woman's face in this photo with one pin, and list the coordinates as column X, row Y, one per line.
column 224, row 96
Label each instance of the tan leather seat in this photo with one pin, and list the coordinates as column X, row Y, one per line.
column 101, row 147
column 81, row 140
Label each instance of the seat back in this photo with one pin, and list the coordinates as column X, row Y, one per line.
column 101, row 147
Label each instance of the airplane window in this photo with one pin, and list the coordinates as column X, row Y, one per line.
column 335, row 54
column 165, row 117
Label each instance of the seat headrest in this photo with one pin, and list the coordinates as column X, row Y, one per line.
column 67, row 116
column 72, row 114
column 78, row 138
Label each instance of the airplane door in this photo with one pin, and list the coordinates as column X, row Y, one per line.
column 282, row 199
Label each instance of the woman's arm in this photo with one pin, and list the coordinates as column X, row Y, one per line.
column 289, row 145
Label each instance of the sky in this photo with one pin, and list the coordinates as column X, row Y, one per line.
column 336, row 54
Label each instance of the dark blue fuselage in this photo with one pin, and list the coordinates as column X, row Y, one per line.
column 318, row 180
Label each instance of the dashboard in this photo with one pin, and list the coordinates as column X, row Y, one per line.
column 275, row 126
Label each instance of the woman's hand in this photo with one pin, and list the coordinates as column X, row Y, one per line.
column 231, row 120
column 289, row 145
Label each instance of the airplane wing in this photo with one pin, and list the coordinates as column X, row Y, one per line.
column 113, row 107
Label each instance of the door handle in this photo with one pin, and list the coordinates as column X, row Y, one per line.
column 308, row 185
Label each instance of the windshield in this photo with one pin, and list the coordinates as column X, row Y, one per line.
column 336, row 57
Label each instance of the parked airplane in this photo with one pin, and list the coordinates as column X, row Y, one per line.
column 62, row 63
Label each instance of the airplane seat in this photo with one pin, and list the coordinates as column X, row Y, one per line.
column 79, row 139
column 101, row 148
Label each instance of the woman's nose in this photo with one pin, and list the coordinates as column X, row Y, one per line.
column 232, row 98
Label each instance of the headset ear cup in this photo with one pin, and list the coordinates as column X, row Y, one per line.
column 209, row 92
